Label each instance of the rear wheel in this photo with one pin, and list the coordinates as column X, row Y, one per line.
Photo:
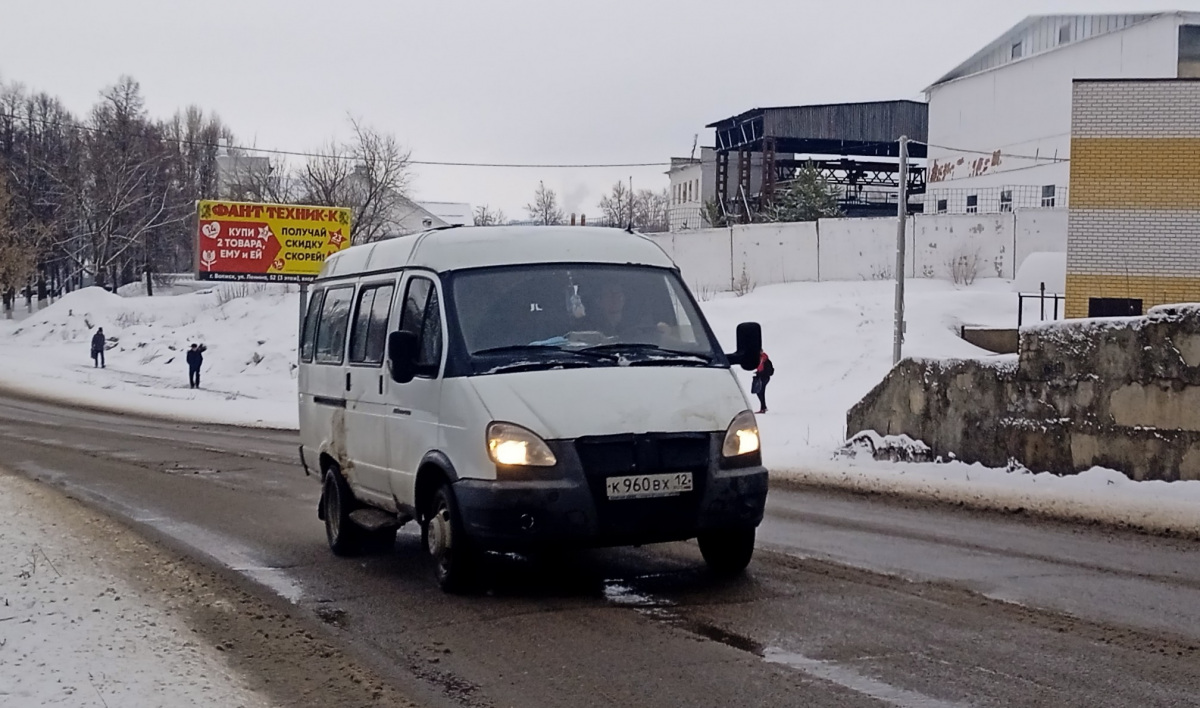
column 345, row 537
column 454, row 561
column 728, row 551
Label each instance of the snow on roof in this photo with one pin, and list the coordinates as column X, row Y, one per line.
column 453, row 213
column 479, row 246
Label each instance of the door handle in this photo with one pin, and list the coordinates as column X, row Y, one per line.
column 347, row 380
column 381, row 385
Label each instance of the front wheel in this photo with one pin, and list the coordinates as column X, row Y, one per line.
column 337, row 501
column 728, row 551
column 454, row 561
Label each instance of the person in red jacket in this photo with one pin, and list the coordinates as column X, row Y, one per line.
column 762, row 377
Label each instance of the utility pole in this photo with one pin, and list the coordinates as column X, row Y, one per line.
column 902, row 213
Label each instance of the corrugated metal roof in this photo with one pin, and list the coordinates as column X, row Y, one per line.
column 1038, row 34
column 832, row 126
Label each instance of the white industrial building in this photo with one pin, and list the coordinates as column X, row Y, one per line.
column 1000, row 122
column 694, row 183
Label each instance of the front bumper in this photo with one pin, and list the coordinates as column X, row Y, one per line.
column 567, row 507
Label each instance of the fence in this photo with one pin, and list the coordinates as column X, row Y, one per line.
column 862, row 249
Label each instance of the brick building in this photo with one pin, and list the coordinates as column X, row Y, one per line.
column 1133, row 234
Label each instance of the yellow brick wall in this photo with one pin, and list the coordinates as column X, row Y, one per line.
column 1135, row 173
column 1151, row 290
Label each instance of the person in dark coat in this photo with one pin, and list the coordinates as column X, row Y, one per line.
column 762, row 377
column 98, row 348
column 195, row 357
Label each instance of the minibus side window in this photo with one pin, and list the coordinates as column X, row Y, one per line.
column 331, row 329
column 369, row 335
column 310, row 325
column 423, row 317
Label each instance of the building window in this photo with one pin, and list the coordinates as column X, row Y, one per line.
column 1048, row 195
column 1189, row 52
column 942, row 205
column 1006, row 200
column 1064, row 34
column 972, row 204
column 1017, row 50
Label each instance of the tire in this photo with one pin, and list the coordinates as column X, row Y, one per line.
column 454, row 561
column 345, row 537
column 727, row 552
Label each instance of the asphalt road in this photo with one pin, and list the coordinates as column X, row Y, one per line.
column 850, row 601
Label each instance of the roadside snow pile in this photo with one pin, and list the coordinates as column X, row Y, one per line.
column 832, row 343
column 1099, row 494
column 248, row 376
column 76, row 632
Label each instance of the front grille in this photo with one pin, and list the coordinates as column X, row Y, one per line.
column 643, row 454
column 660, row 518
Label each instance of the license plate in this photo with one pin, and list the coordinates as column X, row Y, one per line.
column 641, row 486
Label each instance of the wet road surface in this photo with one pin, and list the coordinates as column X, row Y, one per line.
column 850, row 601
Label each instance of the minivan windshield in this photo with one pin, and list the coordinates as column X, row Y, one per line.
column 579, row 315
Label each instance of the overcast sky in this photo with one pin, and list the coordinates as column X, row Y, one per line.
column 514, row 81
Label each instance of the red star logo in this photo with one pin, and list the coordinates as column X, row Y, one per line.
column 336, row 238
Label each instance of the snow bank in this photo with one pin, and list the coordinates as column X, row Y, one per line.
column 1097, row 495
column 77, row 633
column 832, row 343
column 248, row 376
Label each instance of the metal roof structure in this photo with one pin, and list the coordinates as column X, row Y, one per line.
column 855, row 142
column 1039, row 34
column 869, row 128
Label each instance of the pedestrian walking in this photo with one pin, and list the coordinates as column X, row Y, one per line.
column 195, row 357
column 98, row 348
column 762, row 377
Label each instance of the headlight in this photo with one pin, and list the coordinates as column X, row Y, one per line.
column 741, row 439
column 513, row 446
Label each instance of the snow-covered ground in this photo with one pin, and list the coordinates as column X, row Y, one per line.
column 249, row 371
column 831, row 343
column 75, row 632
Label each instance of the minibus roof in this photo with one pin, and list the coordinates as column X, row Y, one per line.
column 475, row 247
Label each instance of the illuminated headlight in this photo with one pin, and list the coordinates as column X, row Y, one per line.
column 741, row 439
column 513, row 446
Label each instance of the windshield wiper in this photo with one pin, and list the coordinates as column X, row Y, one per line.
column 523, row 349
column 646, row 348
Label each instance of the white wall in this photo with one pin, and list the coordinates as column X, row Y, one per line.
column 1039, row 231
column 862, row 249
column 775, row 253
column 1025, row 107
column 859, row 249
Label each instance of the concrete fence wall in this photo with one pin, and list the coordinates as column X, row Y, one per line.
column 1121, row 393
column 862, row 249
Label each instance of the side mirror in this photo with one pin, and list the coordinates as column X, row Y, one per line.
column 749, row 346
column 402, row 356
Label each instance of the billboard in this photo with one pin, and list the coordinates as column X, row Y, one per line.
column 277, row 243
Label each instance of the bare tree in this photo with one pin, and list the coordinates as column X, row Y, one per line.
column 544, row 209
column 486, row 216
column 123, row 196
column 652, row 210
column 615, row 207
column 371, row 175
column 645, row 209
column 19, row 249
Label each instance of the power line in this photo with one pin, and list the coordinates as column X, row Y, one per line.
column 301, row 153
column 1001, row 153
